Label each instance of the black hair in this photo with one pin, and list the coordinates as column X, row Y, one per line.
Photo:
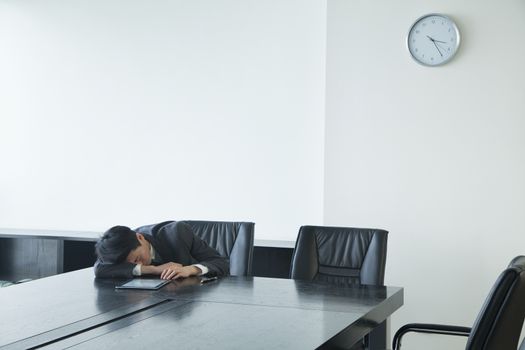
column 115, row 244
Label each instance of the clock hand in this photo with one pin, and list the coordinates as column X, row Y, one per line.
column 437, row 48
column 434, row 41
column 440, row 45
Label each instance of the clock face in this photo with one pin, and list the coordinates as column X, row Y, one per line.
column 433, row 40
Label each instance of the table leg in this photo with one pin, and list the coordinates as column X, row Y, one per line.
column 378, row 337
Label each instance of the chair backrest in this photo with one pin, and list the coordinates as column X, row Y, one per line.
column 231, row 239
column 340, row 255
column 499, row 323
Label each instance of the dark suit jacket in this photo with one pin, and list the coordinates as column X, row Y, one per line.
column 173, row 242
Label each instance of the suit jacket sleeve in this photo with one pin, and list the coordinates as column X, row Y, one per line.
column 199, row 250
column 105, row 270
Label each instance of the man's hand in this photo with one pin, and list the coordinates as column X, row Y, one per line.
column 170, row 265
column 179, row 272
column 157, row 270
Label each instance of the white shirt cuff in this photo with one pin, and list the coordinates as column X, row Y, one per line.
column 137, row 270
column 203, row 268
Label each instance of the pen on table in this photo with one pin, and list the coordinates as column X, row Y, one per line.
column 208, row 279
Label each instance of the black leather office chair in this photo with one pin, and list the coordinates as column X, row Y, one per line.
column 499, row 323
column 340, row 254
column 231, row 239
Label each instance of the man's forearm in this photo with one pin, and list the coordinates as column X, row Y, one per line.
column 149, row 270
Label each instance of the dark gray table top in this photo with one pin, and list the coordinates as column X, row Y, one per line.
column 208, row 325
column 280, row 292
column 63, row 303
column 74, row 309
column 89, row 236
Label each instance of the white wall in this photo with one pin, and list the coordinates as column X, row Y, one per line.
column 132, row 112
column 434, row 155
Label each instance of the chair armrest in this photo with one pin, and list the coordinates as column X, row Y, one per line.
column 428, row 328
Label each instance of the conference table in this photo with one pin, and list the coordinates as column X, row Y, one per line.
column 76, row 310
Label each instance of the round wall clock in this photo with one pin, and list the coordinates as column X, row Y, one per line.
column 433, row 39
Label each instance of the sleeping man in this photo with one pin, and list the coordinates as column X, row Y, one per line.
column 170, row 250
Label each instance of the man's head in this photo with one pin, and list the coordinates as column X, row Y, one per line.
column 120, row 243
